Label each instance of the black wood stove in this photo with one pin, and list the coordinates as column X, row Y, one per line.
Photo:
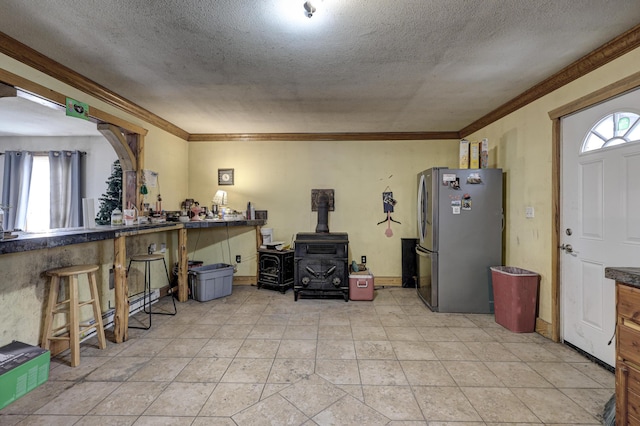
column 275, row 269
column 321, row 261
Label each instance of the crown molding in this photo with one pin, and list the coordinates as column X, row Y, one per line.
column 357, row 136
column 624, row 43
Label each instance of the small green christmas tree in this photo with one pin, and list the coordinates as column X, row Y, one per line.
column 111, row 199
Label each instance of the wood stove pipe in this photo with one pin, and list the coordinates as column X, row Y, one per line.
column 323, row 214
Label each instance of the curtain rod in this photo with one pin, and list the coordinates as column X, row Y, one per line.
column 47, row 152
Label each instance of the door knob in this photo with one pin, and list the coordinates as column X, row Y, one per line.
column 568, row 248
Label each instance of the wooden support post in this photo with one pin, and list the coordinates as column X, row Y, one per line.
column 121, row 316
column 183, row 265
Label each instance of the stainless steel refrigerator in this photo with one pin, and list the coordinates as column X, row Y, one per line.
column 460, row 223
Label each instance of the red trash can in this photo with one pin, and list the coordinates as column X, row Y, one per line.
column 515, row 296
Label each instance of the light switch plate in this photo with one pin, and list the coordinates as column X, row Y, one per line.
column 529, row 212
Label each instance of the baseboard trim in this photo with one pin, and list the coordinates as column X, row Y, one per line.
column 544, row 328
column 387, row 281
column 244, row 280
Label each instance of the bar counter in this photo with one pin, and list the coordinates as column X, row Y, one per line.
column 25, row 242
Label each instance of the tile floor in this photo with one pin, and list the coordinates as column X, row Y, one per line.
column 257, row 357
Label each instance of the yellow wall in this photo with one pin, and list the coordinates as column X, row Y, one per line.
column 279, row 176
column 521, row 145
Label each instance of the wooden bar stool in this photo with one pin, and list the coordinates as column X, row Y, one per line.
column 71, row 307
column 147, row 259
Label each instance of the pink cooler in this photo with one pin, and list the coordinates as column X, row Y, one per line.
column 361, row 286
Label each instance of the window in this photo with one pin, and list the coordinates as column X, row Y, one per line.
column 614, row 129
column 39, row 191
column 45, row 189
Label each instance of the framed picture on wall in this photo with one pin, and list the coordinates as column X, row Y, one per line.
column 225, row 176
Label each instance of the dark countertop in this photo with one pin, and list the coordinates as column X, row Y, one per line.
column 44, row 240
column 630, row 275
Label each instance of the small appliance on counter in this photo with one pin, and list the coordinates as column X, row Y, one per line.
column 172, row 216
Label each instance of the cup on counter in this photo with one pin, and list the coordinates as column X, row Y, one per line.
column 129, row 216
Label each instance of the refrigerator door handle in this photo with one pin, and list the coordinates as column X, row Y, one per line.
column 422, row 251
column 421, row 212
column 426, row 284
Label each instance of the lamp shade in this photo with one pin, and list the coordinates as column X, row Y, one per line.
column 220, row 198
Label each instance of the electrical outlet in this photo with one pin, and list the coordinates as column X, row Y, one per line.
column 363, row 259
column 238, row 258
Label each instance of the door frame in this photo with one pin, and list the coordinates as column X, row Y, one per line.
column 618, row 88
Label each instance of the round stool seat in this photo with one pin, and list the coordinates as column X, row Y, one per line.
column 147, row 257
column 72, row 270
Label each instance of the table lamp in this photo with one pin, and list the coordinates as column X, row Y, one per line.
column 220, row 199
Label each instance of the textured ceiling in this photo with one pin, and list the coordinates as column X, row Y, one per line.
column 261, row 66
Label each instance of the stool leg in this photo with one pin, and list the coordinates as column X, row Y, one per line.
column 144, row 297
column 175, row 310
column 97, row 312
column 147, row 289
column 74, row 322
column 51, row 306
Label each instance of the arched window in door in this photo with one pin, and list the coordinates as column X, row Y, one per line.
column 613, row 129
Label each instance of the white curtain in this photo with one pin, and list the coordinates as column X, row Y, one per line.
column 15, row 188
column 66, row 189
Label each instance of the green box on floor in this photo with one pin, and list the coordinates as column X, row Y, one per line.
column 22, row 369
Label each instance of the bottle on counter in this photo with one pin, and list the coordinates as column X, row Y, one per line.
column 116, row 217
column 251, row 211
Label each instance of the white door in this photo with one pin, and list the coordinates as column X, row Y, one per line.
column 599, row 219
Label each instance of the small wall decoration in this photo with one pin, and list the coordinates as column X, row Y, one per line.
column 315, row 196
column 388, row 201
column 225, row 176
column 77, row 109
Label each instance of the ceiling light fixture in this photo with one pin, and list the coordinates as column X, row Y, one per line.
column 37, row 99
column 309, row 9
